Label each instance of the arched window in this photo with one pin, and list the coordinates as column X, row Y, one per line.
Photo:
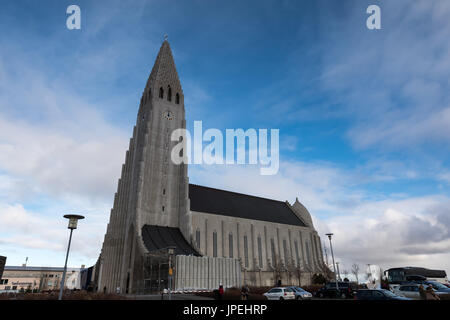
column 272, row 248
column 286, row 253
column 245, row 251
column 230, row 242
column 161, row 92
column 260, row 258
column 149, row 93
column 296, row 253
column 214, row 244
column 197, row 238
column 177, row 98
column 169, row 94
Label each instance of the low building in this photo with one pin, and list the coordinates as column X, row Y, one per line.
column 38, row 279
column 2, row 266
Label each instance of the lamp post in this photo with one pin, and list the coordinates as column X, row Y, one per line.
column 171, row 252
column 334, row 265
column 73, row 221
column 339, row 272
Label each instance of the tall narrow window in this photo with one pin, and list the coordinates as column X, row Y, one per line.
column 230, row 243
column 197, row 238
column 246, row 251
column 214, row 244
column 286, row 253
column 177, row 98
column 308, row 254
column 296, row 253
column 161, row 92
column 260, row 253
column 272, row 247
column 169, row 94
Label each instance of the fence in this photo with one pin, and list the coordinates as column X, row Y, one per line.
column 206, row 273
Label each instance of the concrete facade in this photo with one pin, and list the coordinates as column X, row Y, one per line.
column 152, row 190
column 206, row 273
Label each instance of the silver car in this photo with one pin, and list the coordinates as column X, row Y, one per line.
column 411, row 290
column 408, row 291
column 280, row 293
column 301, row 294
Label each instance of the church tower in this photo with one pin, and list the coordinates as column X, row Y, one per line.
column 152, row 191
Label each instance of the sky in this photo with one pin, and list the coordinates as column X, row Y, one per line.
column 364, row 116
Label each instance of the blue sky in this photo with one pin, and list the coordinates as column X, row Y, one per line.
column 364, row 115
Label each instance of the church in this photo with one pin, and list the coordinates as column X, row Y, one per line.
column 164, row 232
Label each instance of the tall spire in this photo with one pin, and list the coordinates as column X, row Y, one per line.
column 164, row 72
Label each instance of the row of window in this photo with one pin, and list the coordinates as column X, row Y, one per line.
column 259, row 244
column 169, row 95
column 161, row 95
column 9, row 288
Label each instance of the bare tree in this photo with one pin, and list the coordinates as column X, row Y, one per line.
column 299, row 271
column 355, row 271
column 278, row 268
column 327, row 272
column 345, row 273
column 289, row 267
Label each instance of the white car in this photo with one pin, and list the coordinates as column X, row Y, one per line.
column 280, row 293
column 408, row 291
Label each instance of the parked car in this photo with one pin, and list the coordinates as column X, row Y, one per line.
column 408, row 291
column 280, row 293
column 346, row 290
column 301, row 294
column 377, row 294
column 437, row 286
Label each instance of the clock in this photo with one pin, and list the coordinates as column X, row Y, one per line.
column 168, row 115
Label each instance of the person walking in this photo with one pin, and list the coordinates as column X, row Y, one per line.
column 431, row 295
column 244, row 292
column 221, row 292
column 422, row 292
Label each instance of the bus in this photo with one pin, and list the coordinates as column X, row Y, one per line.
column 398, row 276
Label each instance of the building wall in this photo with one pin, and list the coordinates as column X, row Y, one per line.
column 251, row 242
column 36, row 278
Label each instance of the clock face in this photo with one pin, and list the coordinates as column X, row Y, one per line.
column 168, row 115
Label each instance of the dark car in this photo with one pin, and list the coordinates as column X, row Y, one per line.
column 377, row 294
column 346, row 290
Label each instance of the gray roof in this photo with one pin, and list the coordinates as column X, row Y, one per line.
column 238, row 205
column 157, row 237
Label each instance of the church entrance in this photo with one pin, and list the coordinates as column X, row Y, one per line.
column 156, row 272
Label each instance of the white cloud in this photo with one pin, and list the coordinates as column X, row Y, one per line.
column 393, row 83
column 388, row 232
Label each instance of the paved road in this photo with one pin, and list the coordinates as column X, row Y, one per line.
column 166, row 297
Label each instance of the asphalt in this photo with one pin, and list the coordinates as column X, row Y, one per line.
column 166, row 297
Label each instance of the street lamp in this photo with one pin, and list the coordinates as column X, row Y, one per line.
column 334, row 265
column 73, row 221
column 171, row 252
column 339, row 272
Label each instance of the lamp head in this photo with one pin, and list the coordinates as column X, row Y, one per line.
column 73, row 220
column 329, row 235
